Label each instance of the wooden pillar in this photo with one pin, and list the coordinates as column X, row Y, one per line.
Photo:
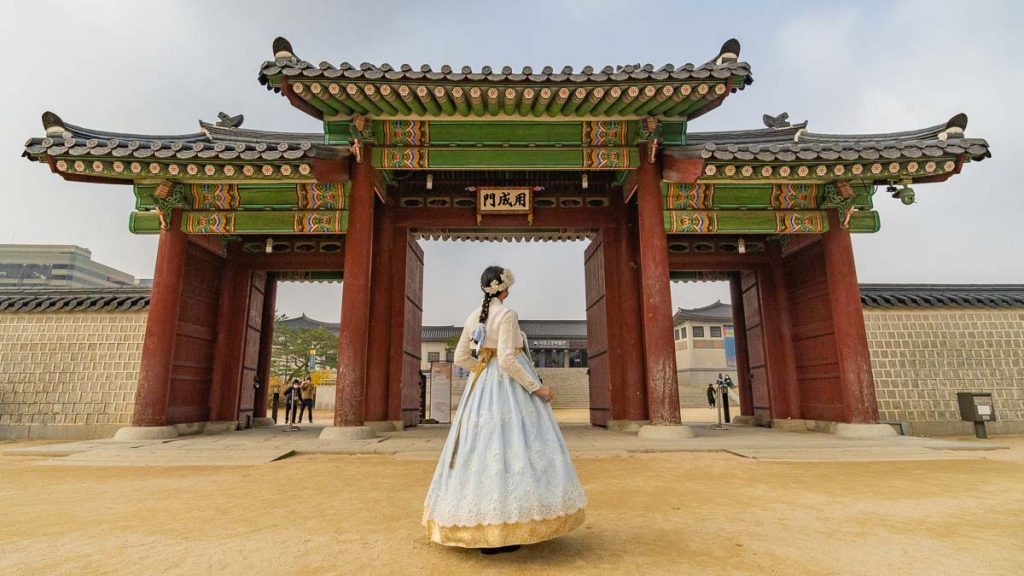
column 161, row 327
column 858, row 387
column 266, row 347
column 395, row 324
column 231, row 334
column 349, row 408
column 625, row 316
column 656, row 301
column 784, row 389
column 739, row 328
column 379, row 355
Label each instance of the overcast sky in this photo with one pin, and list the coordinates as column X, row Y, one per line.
column 844, row 66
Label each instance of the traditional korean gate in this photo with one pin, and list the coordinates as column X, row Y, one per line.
column 597, row 333
column 251, row 351
column 413, row 320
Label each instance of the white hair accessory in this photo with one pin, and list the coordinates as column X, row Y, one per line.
column 507, row 280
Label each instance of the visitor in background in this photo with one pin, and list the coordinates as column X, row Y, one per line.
column 293, row 400
column 711, row 395
column 308, row 391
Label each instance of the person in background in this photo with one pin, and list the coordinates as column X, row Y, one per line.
column 711, row 395
column 293, row 397
column 288, row 400
column 308, row 391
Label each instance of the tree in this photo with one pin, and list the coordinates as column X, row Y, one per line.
column 292, row 347
column 452, row 342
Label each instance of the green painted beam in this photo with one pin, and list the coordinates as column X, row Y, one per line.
column 746, row 221
column 513, row 158
column 865, row 222
column 265, row 222
column 144, row 223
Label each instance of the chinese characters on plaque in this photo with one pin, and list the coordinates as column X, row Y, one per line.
column 505, row 200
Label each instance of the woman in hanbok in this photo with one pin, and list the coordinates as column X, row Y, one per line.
column 504, row 477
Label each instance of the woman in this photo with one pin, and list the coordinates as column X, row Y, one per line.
column 504, row 478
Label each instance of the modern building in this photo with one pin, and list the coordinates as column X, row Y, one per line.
column 55, row 266
column 705, row 343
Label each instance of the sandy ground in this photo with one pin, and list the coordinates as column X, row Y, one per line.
column 683, row 513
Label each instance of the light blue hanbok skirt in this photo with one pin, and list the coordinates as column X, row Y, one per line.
column 511, row 480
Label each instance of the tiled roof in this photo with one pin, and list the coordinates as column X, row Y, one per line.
column 287, row 64
column 717, row 312
column 439, row 333
column 74, row 300
column 555, row 329
column 305, row 322
column 942, row 295
column 794, row 143
column 222, row 141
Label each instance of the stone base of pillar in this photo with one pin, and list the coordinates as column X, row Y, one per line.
column 627, row 425
column 744, row 420
column 220, row 427
column 652, row 432
column 133, row 433
column 840, row 429
column 385, row 426
column 347, row 433
column 263, row 423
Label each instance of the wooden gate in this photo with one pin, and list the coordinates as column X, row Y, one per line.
column 756, row 353
column 411, row 352
column 251, row 350
column 597, row 333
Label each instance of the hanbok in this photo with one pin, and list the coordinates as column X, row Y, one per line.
column 504, row 476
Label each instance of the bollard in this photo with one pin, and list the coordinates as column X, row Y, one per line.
column 274, row 404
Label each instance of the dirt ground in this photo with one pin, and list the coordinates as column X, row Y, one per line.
column 683, row 513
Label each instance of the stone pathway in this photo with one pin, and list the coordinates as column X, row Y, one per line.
column 265, row 445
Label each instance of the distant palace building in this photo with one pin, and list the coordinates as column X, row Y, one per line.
column 56, row 266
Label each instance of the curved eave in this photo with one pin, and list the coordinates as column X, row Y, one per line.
column 215, row 153
column 792, row 153
column 326, row 91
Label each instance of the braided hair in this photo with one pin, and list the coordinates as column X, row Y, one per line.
column 490, row 275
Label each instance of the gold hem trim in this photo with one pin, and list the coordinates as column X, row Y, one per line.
column 495, row 535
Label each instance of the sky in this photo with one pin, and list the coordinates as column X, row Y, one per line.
column 846, row 67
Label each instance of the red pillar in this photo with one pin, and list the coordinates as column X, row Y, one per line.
column 396, row 350
column 784, row 390
column 659, row 347
column 266, row 347
column 739, row 325
column 161, row 327
column 378, row 354
column 629, row 395
column 355, row 303
column 858, row 387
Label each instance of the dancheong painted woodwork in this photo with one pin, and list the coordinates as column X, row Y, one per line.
column 495, row 154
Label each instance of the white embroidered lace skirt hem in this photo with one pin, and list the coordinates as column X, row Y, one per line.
column 511, row 480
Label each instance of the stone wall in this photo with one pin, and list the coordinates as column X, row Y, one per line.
column 73, row 374
column 571, row 387
column 922, row 357
column 68, row 374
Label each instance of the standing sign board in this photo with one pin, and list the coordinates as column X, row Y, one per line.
column 441, row 391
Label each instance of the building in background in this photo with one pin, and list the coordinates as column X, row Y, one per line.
column 705, row 343
column 56, row 266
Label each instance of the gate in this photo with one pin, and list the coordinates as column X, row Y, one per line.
column 597, row 333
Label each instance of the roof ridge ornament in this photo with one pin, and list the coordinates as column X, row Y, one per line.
column 730, row 52
column 53, row 124
column 777, row 122
column 282, row 48
column 226, row 121
column 954, row 128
